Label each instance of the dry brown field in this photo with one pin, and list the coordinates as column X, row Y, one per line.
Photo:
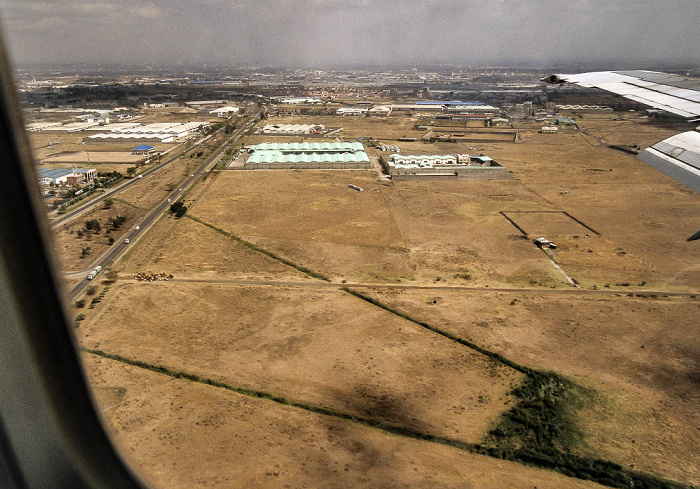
column 639, row 355
column 178, row 434
column 324, row 347
column 183, row 247
column 632, row 345
column 72, row 143
column 387, row 233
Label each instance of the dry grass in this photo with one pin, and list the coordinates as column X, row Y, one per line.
column 416, row 231
column 638, row 354
column 324, row 347
column 200, row 436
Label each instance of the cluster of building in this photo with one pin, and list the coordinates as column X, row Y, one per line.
column 131, row 132
column 583, row 107
column 292, row 129
column 166, row 132
column 479, row 167
column 379, row 110
column 453, row 108
column 326, row 155
column 559, row 122
column 225, row 112
column 66, row 176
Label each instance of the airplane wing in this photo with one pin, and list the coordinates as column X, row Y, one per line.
column 678, row 156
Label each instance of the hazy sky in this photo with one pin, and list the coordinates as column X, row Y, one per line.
column 327, row 33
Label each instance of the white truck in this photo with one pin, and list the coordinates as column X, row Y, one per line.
column 94, row 272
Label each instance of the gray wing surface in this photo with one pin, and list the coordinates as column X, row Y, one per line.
column 676, row 94
column 678, row 156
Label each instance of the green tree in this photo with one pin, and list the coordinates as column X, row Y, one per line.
column 131, row 170
column 79, row 303
column 175, row 206
column 93, row 225
column 85, row 252
column 108, row 203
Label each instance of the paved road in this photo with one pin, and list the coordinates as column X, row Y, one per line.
column 121, row 246
column 119, row 188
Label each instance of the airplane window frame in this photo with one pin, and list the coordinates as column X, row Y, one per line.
column 51, row 434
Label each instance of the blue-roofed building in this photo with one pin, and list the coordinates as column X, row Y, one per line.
column 66, row 176
column 144, row 149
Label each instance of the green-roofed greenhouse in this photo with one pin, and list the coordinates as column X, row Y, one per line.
column 326, row 155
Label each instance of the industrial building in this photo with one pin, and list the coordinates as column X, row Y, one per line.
column 292, row 129
column 481, row 167
column 439, row 106
column 165, row 132
column 327, row 155
column 300, row 101
column 129, row 138
column 224, row 111
column 66, row 176
column 380, row 110
column 144, row 149
column 356, row 111
column 204, row 103
column 473, row 111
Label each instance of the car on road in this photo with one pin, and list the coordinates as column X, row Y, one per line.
column 127, row 241
column 137, row 227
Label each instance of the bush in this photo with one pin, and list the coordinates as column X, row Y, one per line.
column 79, row 303
column 111, row 240
column 176, row 206
column 93, row 225
column 92, row 290
column 80, row 317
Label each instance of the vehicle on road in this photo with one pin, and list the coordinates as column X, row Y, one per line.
column 126, row 241
column 94, row 272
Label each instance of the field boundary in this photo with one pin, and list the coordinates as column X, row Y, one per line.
column 600, row 471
